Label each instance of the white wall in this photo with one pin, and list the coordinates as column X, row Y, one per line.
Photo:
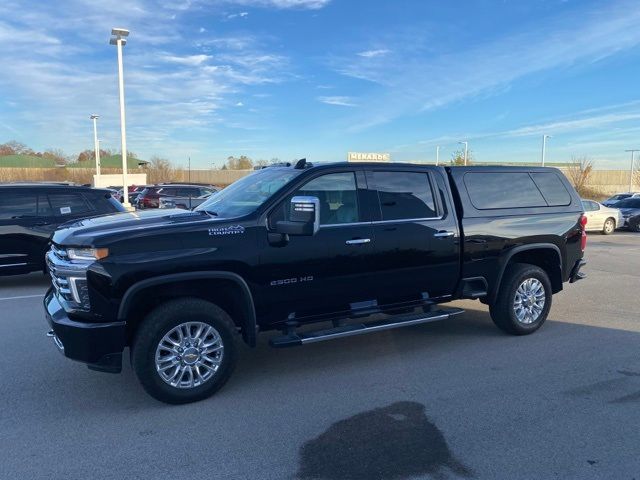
column 116, row 179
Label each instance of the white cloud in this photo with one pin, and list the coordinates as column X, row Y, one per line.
column 429, row 81
column 239, row 104
column 337, row 100
column 191, row 60
column 59, row 71
column 236, row 15
column 373, row 53
column 202, row 30
column 284, row 4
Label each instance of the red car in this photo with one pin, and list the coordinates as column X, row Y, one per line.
column 150, row 196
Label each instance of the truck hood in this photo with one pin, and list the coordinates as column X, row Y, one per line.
column 89, row 231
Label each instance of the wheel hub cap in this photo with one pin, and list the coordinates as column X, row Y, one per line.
column 189, row 355
column 529, row 301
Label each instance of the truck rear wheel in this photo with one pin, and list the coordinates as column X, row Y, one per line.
column 184, row 350
column 523, row 301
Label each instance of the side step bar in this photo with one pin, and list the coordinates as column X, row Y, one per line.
column 295, row 339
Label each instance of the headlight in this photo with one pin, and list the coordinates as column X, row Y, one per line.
column 87, row 254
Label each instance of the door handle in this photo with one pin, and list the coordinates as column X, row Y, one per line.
column 443, row 234
column 358, row 241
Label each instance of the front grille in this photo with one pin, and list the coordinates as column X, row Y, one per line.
column 68, row 279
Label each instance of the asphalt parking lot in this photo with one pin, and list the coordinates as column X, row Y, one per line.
column 448, row 400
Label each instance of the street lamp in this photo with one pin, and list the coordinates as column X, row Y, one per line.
column 466, row 147
column 544, row 146
column 118, row 39
column 96, row 146
column 633, row 151
column 437, row 155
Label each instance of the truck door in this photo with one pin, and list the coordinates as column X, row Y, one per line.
column 416, row 236
column 25, row 227
column 330, row 270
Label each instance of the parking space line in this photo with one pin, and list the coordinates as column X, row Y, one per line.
column 21, row 297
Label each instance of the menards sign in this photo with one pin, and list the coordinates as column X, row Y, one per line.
column 368, row 157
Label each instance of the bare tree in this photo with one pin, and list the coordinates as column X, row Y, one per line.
column 579, row 173
column 160, row 170
column 238, row 163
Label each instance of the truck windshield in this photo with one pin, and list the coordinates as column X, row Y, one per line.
column 247, row 194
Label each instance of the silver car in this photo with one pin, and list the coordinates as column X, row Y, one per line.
column 600, row 218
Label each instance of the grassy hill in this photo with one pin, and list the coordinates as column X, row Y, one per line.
column 111, row 161
column 25, row 161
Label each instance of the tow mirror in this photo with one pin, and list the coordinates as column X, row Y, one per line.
column 304, row 217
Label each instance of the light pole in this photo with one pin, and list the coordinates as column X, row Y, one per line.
column 544, row 146
column 96, row 146
column 118, row 39
column 437, row 155
column 633, row 151
column 466, row 147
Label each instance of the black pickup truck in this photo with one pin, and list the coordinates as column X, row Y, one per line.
column 339, row 249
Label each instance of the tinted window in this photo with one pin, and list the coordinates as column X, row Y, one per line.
column 18, row 205
column 404, row 195
column 338, row 197
column 69, row 204
column 489, row 190
column 170, row 191
column 590, row 206
column 188, row 192
column 628, row 203
column 552, row 188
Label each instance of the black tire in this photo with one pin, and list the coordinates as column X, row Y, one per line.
column 160, row 322
column 635, row 226
column 609, row 226
column 502, row 310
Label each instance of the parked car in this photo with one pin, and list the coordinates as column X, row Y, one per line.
column 29, row 213
column 630, row 208
column 134, row 191
column 286, row 247
column 611, row 201
column 601, row 218
column 187, row 203
column 150, row 196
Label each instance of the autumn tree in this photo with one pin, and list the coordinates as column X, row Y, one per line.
column 457, row 157
column 160, row 170
column 57, row 155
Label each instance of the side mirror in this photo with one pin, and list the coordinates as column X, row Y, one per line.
column 304, row 215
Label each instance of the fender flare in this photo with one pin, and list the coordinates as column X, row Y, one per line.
column 249, row 323
column 505, row 258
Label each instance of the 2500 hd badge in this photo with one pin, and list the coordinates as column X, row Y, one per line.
column 289, row 281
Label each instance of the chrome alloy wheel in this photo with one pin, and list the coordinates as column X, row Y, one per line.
column 189, row 355
column 529, row 301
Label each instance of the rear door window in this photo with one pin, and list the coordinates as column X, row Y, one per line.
column 490, row 190
column 64, row 204
column 18, row 205
column 404, row 195
column 552, row 188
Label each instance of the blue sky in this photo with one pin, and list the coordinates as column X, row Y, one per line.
column 318, row 78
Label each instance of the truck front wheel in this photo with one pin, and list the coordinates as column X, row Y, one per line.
column 184, row 350
column 523, row 301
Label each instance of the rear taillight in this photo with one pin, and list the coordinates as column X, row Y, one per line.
column 583, row 226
